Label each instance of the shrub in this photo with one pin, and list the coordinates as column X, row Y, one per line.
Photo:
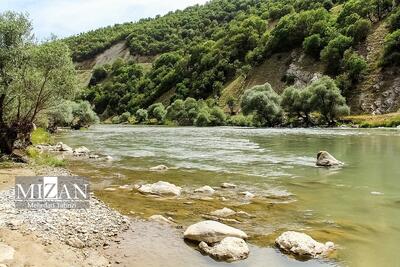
column 217, row 117
column 359, row 30
column 312, row 45
column 392, row 49
column 394, row 21
column 241, row 120
column 296, row 102
column 332, row 54
column 83, row 115
column 141, row 115
column 116, row 120
column 41, row 136
column 264, row 103
column 354, row 65
column 157, row 111
column 203, row 119
column 124, row 117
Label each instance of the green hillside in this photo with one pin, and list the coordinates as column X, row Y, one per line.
column 220, row 49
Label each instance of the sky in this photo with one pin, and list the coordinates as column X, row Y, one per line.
column 68, row 17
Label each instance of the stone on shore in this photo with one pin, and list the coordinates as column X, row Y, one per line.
column 75, row 242
column 225, row 212
column 301, row 244
column 63, row 147
column 205, row 190
column 211, row 232
column 81, row 151
column 160, row 188
column 247, row 194
column 228, row 185
column 159, row 168
column 325, row 159
column 6, row 252
column 229, row 249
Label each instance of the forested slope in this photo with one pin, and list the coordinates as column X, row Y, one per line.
column 220, row 49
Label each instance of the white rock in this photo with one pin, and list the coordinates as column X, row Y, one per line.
column 160, row 188
column 247, row 194
column 63, row 147
column 205, row 190
column 229, row 249
column 228, row 185
column 211, row 232
column 110, row 189
column 160, row 219
column 225, row 212
column 81, row 150
column 377, row 193
column 109, row 158
column 125, row 187
column 302, row 244
column 325, row 159
column 159, row 168
column 6, row 252
column 75, row 242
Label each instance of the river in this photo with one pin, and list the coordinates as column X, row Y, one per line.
column 356, row 206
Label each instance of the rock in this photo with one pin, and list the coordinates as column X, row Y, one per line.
column 93, row 156
column 160, row 219
column 109, row 158
column 247, row 194
column 160, row 188
column 211, row 232
column 14, row 224
column 229, row 249
column 398, row 127
column 6, row 252
column 110, row 189
column 159, row 168
column 81, row 151
column 244, row 214
column 377, row 193
column 302, row 245
column 225, row 212
column 205, row 190
column 326, row 160
column 75, row 242
column 63, row 147
column 228, row 185
column 125, row 187
column 219, row 219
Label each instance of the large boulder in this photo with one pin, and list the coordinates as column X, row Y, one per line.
column 325, row 159
column 205, row 190
column 301, row 244
column 160, row 188
column 211, row 232
column 229, row 249
column 81, row 151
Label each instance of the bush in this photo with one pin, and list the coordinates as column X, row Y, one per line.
column 359, row 30
column 312, row 45
column 217, row 116
column 355, row 65
column 83, row 115
column 41, row 136
column 141, row 115
column 296, row 102
column 241, row 120
column 391, row 55
column 203, row 119
column 327, row 100
column 264, row 103
column 394, row 21
column 157, row 111
column 332, row 54
column 124, row 117
column 116, row 120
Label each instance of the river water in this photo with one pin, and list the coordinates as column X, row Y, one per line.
column 356, row 206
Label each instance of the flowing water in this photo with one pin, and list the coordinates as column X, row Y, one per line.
column 356, row 206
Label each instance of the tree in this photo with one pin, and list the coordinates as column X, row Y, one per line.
column 332, row 54
column 391, row 56
column 231, row 103
column 264, row 102
column 157, row 111
column 312, row 45
column 327, row 100
column 33, row 79
column 296, row 102
column 83, row 115
column 355, row 65
column 141, row 115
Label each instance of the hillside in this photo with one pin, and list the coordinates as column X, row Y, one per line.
column 220, row 49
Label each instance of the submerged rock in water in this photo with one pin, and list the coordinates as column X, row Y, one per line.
column 109, row 158
column 228, row 185
column 225, row 212
column 325, row 159
column 6, row 252
column 303, row 245
column 161, row 219
column 205, row 190
column 160, row 188
column 247, row 194
column 211, row 232
column 159, row 168
column 229, row 249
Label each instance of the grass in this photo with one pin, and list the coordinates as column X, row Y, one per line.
column 373, row 121
column 41, row 136
column 39, row 158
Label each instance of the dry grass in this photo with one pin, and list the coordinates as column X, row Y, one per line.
column 371, row 121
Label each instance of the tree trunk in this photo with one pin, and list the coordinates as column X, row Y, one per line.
column 8, row 136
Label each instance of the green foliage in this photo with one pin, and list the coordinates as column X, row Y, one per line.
column 391, row 55
column 141, row 115
column 41, row 136
column 327, row 99
column 43, row 159
column 241, row 120
column 332, row 54
column 124, row 117
column 98, row 75
column 359, row 30
column 312, row 45
column 354, row 65
column 157, row 111
column 296, row 102
column 394, row 20
column 264, row 103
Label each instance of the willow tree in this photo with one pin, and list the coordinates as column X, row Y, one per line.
column 33, row 79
